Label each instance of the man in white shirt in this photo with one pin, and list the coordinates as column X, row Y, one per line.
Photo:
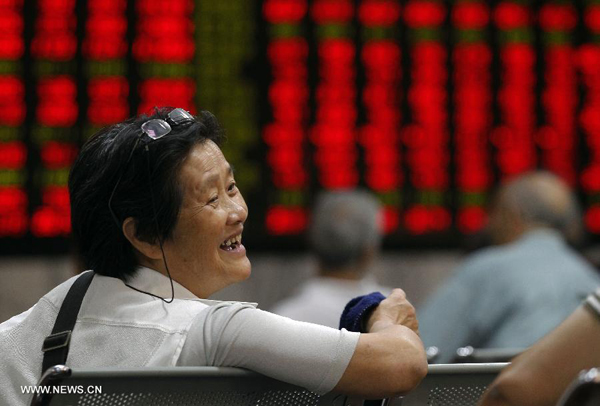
column 345, row 237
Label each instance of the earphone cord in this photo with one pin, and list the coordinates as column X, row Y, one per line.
column 160, row 243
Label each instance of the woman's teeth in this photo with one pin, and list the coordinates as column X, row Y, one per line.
column 232, row 243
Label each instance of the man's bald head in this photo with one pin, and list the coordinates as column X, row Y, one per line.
column 535, row 200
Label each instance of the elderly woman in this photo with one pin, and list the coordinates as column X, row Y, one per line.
column 159, row 220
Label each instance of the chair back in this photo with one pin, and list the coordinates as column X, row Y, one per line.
column 181, row 386
column 584, row 391
column 485, row 355
column 432, row 354
column 451, row 385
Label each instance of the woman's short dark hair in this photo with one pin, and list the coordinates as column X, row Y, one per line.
column 102, row 160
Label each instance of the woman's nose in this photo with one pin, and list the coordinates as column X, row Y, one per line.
column 238, row 212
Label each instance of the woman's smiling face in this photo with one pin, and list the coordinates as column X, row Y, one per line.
column 205, row 253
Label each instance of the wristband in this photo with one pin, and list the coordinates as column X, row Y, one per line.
column 358, row 310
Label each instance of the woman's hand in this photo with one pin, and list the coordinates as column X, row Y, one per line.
column 390, row 359
column 394, row 310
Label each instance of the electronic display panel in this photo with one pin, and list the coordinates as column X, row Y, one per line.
column 429, row 104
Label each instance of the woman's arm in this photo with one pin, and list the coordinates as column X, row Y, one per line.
column 390, row 359
column 541, row 374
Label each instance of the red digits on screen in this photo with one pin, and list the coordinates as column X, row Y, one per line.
column 106, row 27
column 12, row 44
column 288, row 95
column 165, row 38
column 55, row 26
column 57, row 104
column 333, row 133
column 12, row 100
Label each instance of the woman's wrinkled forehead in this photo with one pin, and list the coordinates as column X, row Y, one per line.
column 203, row 168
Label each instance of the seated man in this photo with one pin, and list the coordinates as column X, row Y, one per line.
column 540, row 375
column 345, row 238
column 512, row 294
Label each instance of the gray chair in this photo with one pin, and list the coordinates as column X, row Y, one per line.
column 176, row 386
column 451, row 385
column 584, row 391
column 485, row 355
column 432, row 354
column 445, row 385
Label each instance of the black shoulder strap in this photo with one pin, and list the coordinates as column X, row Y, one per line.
column 56, row 345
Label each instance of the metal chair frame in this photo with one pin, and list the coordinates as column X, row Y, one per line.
column 451, row 385
column 486, row 355
column 584, row 391
column 445, row 384
column 180, row 386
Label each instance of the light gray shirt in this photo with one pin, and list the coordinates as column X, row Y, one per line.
column 119, row 327
column 507, row 296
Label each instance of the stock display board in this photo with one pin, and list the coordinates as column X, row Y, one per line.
column 427, row 103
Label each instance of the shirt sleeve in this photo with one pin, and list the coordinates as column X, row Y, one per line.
column 239, row 335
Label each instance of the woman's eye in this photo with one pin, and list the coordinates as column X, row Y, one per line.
column 232, row 187
column 213, row 200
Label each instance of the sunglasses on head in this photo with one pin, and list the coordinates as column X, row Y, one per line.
column 158, row 128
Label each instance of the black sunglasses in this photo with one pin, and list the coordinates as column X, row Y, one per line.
column 158, row 128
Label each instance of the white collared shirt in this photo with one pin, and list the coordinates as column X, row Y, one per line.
column 321, row 300
column 120, row 327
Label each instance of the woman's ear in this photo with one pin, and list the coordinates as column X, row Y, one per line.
column 149, row 250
